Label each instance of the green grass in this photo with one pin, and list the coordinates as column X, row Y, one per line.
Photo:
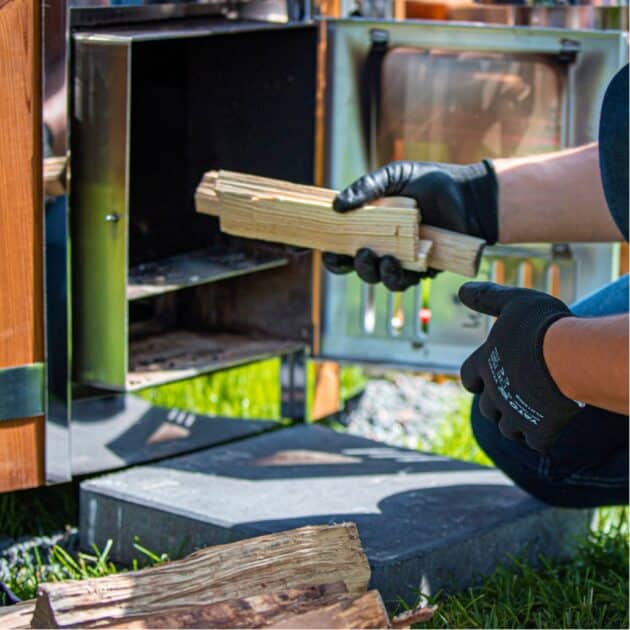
column 38, row 512
column 248, row 391
column 352, row 381
column 33, row 569
column 590, row 591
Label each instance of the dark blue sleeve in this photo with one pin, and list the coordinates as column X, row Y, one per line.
column 613, row 149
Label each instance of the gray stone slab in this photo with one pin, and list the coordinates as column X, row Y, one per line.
column 426, row 522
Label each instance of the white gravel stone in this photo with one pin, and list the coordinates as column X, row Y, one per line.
column 404, row 409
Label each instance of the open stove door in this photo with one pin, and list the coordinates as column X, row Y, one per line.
column 453, row 92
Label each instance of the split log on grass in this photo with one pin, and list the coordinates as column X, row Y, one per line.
column 278, row 211
column 367, row 611
column 55, row 176
column 308, row 556
column 18, row 616
column 250, row 612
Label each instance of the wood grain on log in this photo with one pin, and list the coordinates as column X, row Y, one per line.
column 367, row 611
column 295, row 214
column 18, row 616
column 308, row 556
column 249, row 612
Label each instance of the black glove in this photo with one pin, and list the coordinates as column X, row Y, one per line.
column 459, row 198
column 509, row 370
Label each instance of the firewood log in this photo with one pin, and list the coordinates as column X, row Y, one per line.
column 249, row 612
column 18, row 616
column 367, row 611
column 416, row 615
column 278, row 211
column 309, row 556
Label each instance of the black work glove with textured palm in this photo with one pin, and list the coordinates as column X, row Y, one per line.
column 509, row 369
column 462, row 198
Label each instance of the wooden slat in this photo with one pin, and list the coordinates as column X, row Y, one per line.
column 309, row 556
column 21, row 446
column 21, row 222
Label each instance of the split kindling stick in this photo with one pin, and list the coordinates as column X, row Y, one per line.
column 278, row 211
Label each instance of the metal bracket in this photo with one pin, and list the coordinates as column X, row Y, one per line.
column 21, row 391
column 569, row 49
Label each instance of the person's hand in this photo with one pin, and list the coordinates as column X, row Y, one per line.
column 450, row 196
column 509, row 371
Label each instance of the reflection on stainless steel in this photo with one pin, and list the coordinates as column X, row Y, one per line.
column 421, row 312
column 134, row 84
column 100, row 111
column 300, row 457
column 396, row 314
column 58, row 438
column 57, row 272
column 461, row 106
column 85, row 14
column 368, row 309
column 112, row 431
column 178, row 355
column 139, row 289
column 194, row 268
column 457, row 93
column 100, row 179
column 582, row 16
column 55, row 69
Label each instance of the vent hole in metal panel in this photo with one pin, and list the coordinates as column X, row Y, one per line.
column 553, row 280
column 396, row 314
column 368, row 309
column 525, row 276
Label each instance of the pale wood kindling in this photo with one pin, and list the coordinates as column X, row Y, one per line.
column 274, row 210
column 55, row 176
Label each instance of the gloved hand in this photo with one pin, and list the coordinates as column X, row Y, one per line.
column 509, row 369
column 459, row 198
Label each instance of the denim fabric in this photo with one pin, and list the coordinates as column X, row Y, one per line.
column 613, row 148
column 609, row 300
column 588, row 465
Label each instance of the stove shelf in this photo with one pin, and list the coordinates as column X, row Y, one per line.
column 181, row 354
column 192, row 269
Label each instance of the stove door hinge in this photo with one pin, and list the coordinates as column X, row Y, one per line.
column 569, row 49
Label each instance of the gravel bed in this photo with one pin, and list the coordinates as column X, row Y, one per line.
column 404, row 409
